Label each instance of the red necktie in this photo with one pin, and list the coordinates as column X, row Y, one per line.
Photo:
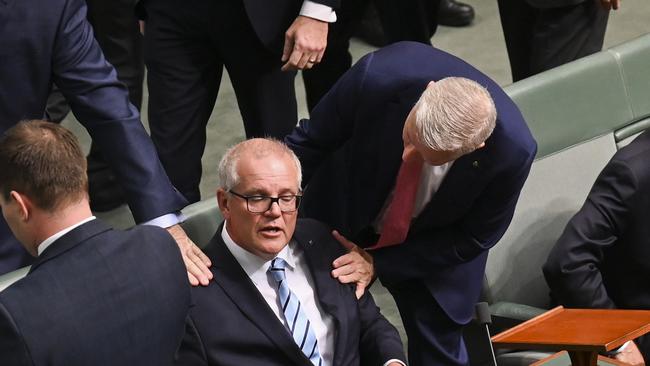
column 398, row 216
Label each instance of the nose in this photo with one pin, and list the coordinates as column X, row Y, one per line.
column 274, row 210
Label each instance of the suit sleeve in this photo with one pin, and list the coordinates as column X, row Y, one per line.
column 380, row 340
column 100, row 102
column 332, row 122
column 425, row 252
column 13, row 351
column 191, row 351
column 572, row 269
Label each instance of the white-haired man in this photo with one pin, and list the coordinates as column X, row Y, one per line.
column 418, row 157
column 273, row 300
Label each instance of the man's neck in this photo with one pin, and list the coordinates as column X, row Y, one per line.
column 50, row 223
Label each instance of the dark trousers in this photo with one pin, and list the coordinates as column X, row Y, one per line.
column 405, row 20
column 540, row 39
column 118, row 34
column 433, row 338
column 187, row 45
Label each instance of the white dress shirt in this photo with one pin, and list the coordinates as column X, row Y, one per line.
column 47, row 242
column 318, row 11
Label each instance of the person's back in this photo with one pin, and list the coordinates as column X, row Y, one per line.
column 94, row 296
column 99, row 296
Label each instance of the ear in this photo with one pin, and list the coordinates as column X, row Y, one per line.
column 430, row 83
column 222, row 201
column 482, row 145
column 23, row 203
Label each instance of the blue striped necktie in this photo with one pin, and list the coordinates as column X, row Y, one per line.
column 298, row 323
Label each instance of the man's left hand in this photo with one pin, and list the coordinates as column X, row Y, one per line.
column 356, row 266
column 304, row 43
column 195, row 260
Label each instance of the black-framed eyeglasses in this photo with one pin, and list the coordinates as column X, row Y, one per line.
column 261, row 204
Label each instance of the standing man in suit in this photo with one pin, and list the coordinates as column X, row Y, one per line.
column 543, row 34
column 94, row 296
column 259, row 42
column 273, row 300
column 462, row 150
column 57, row 45
column 601, row 259
column 117, row 31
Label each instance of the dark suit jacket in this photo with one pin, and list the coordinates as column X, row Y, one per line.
column 98, row 296
column 601, row 259
column 231, row 323
column 45, row 41
column 351, row 151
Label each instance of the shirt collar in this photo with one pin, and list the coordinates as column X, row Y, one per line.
column 49, row 241
column 254, row 266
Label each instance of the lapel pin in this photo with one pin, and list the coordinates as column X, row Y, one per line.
column 475, row 164
column 310, row 242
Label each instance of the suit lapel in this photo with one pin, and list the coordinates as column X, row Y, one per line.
column 234, row 281
column 71, row 239
column 327, row 289
column 456, row 191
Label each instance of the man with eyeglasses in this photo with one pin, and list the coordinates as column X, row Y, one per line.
column 273, row 300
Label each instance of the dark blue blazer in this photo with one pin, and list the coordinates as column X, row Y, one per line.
column 45, row 41
column 231, row 323
column 98, row 296
column 351, row 151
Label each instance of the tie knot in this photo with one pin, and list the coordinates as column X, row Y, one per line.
column 277, row 269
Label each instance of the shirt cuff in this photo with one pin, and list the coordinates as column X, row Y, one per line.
column 167, row 220
column 318, row 11
column 394, row 360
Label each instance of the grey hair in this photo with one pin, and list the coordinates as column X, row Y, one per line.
column 454, row 114
column 259, row 147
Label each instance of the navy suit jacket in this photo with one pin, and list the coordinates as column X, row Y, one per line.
column 98, row 296
column 45, row 41
column 351, row 151
column 231, row 323
column 601, row 259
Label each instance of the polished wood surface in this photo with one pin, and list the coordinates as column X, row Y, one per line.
column 582, row 332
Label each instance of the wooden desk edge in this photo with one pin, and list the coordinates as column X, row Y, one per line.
column 527, row 324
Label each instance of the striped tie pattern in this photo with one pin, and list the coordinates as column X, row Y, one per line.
column 298, row 323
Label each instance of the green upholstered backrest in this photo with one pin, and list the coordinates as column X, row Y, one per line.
column 580, row 114
column 202, row 221
column 8, row 278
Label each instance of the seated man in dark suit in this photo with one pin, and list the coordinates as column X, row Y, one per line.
column 601, row 259
column 273, row 300
column 94, row 296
